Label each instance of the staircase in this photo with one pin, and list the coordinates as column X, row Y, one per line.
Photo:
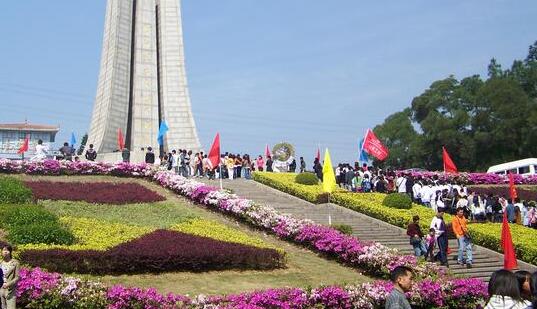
column 364, row 227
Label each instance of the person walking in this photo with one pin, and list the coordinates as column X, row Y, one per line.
column 401, row 277
column 260, row 163
column 269, row 164
column 10, row 270
column 302, row 165
column 416, row 237
column 150, row 156
column 125, row 155
column 460, row 229
column 439, row 227
column 91, row 154
column 318, row 169
column 41, row 152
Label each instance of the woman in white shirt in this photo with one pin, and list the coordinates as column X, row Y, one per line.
column 40, row 152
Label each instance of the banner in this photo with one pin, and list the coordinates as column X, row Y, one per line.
column 120, row 140
column 374, row 146
column 214, row 153
column 449, row 166
column 161, row 131
column 329, row 178
column 24, row 147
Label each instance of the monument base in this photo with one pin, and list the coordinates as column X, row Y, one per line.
column 115, row 157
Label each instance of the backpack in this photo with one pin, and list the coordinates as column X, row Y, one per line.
column 366, row 185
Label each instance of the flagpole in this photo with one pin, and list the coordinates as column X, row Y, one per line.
column 220, row 177
column 329, row 213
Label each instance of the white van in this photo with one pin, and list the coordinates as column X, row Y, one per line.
column 522, row 167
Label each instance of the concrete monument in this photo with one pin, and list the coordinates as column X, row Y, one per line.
column 142, row 79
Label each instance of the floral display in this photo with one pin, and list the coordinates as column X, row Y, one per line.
column 159, row 251
column 38, row 289
column 93, row 192
column 432, row 288
column 215, row 230
column 475, row 178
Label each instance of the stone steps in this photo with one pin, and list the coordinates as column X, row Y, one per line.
column 364, row 227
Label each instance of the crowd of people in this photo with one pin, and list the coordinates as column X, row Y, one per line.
column 506, row 290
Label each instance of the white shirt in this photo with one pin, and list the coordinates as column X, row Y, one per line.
column 401, row 184
column 40, row 153
column 175, row 159
column 435, row 224
column 425, row 193
column 416, row 188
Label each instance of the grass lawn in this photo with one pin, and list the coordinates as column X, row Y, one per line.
column 304, row 268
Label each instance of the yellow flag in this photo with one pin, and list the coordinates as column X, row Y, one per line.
column 329, row 179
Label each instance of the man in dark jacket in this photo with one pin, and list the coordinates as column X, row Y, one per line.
column 149, row 156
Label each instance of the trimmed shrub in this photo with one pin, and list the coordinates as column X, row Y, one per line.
column 18, row 215
column 157, row 252
column 27, row 224
column 215, row 230
column 307, row 179
column 40, row 233
column 397, row 200
column 97, row 192
column 94, row 234
column 343, row 228
column 13, row 191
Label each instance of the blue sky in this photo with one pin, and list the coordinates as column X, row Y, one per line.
column 305, row 72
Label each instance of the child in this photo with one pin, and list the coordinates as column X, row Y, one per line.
column 430, row 241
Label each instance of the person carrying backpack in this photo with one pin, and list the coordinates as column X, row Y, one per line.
column 366, row 184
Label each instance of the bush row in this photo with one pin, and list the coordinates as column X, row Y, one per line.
column 26, row 224
column 285, row 182
column 214, row 230
column 93, row 192
column 13, row 191
column 160, row 251
column 485, row 234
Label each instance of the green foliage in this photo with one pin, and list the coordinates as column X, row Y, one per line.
column 27, row 224
column 13, row 191
column 481, row 122
column 397, row 200
column 48, row 232
column 307, row 179
column 343, row 228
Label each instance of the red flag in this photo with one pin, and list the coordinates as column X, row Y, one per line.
column 267, row 152
column 24, row 147
column 318, row 155
column 120, row 139
column 373, row 146
column 449, row 166
column 512, row 189
column 509, row 256
column 214, row 153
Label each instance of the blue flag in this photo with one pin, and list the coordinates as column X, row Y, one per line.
column 161, row 131
column 363, row 153
column 73, row 139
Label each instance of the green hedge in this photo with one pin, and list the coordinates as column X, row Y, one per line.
column 484, row 234
column 307, row 179
column 13, row 191
column 397, row 200
column 32, row 224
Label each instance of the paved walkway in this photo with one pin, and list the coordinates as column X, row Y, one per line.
column 364, row 227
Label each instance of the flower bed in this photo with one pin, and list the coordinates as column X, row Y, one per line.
column 475, row 178
column 486, row 235
column 39, row 289
column 93, row 192
column 345, row 248
column 157, row 252
column 214, row 230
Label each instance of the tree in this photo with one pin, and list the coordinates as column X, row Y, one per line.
column 82, row 144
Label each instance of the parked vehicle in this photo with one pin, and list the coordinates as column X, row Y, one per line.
column 522, row 167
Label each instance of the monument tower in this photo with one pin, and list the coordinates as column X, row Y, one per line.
column 142, row 79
